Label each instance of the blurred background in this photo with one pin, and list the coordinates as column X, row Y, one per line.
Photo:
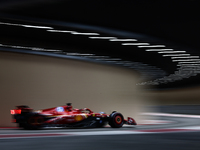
column 132, row 56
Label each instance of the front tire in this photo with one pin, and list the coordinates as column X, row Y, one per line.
column 116, row 120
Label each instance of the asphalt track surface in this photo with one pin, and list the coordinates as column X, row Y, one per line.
column 180, row 133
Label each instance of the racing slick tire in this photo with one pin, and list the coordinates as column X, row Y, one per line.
column 116, row 120
column 33, row 122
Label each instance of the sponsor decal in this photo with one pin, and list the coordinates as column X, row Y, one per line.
column 130, row 120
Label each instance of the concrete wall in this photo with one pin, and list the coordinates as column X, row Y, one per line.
column 43, row 82
column 185, row 96
column 177, row 101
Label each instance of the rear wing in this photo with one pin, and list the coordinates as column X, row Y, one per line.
column 21, row 109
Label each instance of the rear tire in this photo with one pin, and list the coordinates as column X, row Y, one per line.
column 34, row 122
column 116, row 120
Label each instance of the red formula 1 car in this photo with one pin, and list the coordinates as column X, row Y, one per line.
column 66, row 116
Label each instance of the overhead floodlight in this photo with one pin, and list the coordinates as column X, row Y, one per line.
column 79, row 54
column 108, row 59
column 62, row 31
column 10, row 24
column 98, row 56
column 189, row 62
column 47, row 50
column 155, row 50
column 28, row 26
column 31, row 48
column 123, row 40
column 195, row 65
column 135, row 44
column 183, row 60
column 98, row 37
column 151, row 46
column 172, row 52
column 37, row 27
column 175, row 55
column 185, row 57
column 79, row 33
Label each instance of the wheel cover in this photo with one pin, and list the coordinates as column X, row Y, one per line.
column 36, row 120
column 118, row 119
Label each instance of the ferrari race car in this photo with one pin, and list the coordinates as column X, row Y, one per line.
column 66, row 116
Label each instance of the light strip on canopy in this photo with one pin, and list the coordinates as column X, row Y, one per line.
column 102, row 37
column 78, row 54
column 98, row 56
column 123, row 40
column 183, row 60
column 37, row 27
column 73, row 32
column 189, row 62
column 62, row 31
column 28, row 26
column 135, row 44
column 172, row 52
column 185, row 57
column 151, row 46
column 155, row 50
column 195, row 65
column 78, row 33
column 109, row 59
column 174, row 55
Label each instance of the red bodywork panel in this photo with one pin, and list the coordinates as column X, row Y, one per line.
column 66, row 115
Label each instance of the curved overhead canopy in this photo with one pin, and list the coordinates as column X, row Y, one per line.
column 158, row 39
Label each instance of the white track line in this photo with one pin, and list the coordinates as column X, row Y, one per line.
column 172, row 115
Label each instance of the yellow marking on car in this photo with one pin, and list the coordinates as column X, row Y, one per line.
column 78, row 117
